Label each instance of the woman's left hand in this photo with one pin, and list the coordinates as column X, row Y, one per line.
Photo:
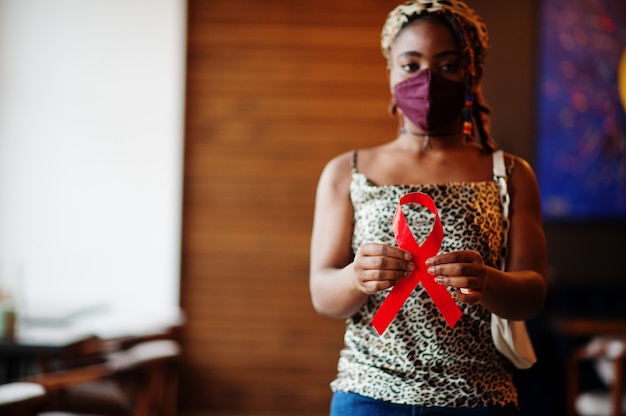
column 462, row 270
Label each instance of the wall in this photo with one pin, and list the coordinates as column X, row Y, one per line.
column 91, row 125
column 274, row 90
column 510, row 87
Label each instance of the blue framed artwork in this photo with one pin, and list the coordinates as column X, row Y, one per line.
column 581, row 157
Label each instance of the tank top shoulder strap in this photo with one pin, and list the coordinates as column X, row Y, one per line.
column 354, row 169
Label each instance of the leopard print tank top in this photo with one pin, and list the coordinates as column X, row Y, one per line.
column 420, row 360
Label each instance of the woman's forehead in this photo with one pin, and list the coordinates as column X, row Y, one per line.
column 424, row 37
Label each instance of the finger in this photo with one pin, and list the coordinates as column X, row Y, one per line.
column 375, row 286
column 378, row 275
column 464, row 284
column 457, row 282
column 463, row 256
column 383, row 250
column 456, row 269
column 467, row 296
column 386, row 263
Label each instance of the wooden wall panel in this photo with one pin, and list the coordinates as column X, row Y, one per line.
column 275, row 88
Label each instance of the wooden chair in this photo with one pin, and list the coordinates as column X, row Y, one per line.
column 607, row 355
column 149, row 372
column 21, row 398
column 140, row 380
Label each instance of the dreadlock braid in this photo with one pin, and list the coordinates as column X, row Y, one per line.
column 481, row 112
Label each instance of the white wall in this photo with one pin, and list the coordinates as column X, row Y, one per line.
column 91, row 140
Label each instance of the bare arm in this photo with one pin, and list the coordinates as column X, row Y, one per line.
column 339, row 286
column 519, row 293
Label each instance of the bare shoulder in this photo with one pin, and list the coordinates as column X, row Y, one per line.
column 340, row 163
column 339, row 166
column 523, row 183
column 337, row 174
column 521, row 170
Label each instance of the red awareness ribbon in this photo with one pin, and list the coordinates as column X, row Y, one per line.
column 429, row 248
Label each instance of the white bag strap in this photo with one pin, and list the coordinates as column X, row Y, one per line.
column 499, row 170
column 499, row 175
column 510, row 337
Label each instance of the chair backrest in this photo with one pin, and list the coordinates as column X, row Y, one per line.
column 147, row 374
column 145, row 354
column 91, row 350
column 21, row 398
column 607, row 354
column 152, row 369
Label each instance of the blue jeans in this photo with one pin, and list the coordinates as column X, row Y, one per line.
column 352, row 404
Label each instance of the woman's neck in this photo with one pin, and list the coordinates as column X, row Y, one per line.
column 441, row 139
column 431, row 142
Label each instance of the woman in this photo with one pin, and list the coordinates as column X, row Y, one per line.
column 435, row 54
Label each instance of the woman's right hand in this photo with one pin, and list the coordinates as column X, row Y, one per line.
column 378, row 266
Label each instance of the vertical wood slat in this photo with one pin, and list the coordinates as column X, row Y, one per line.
column 274, row 90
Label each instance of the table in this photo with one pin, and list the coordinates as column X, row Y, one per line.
column 38, row 341
column 588, row 327
column 24, row 354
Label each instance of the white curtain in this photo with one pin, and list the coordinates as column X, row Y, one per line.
column 91, row 141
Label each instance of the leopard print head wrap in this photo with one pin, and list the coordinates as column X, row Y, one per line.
column 470, row 28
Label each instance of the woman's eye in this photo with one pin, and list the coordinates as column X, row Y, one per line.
column 450, row 68
column 411, row 67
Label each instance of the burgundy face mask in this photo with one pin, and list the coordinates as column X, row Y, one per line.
column 431, row 101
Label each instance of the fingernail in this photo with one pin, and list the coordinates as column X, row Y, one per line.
column 407, row 256
column 411, row 266
column 439, row 279
column 429, row 262
column 431, row 270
